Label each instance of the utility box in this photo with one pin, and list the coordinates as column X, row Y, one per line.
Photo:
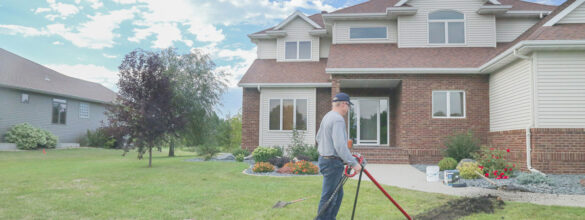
column 433, row 174
column 450, row 177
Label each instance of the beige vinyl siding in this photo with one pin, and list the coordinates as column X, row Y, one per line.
column 342, row 31
column 560, row 86
column 508, row 29
column 283, row 138
column 266, row 49
column 576, row 16
column 297, row 30
column 324, row 44
column 510, row 97
column 38, row 112
column 480, row 30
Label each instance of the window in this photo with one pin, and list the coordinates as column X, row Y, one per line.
column 369, row 121
column 446, row 27
column 448, row 104
column 83, row 110
column 24, row 98
column 297, row 50
column 59, row 111
column 288, row 114
column 368, row 33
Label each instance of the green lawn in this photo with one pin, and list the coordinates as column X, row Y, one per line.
column 100, row 184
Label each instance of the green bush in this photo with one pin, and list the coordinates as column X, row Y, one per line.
column 312, row 153
column 240, row 158
column 207, row 150
column 533, row 178
column 263, row 154
column 447, row 163
column 461, row 146
column 27, row 137
column 467, row 170
column 98, row 138
column 240, row 151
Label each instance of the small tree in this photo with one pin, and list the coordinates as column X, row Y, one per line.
column 144, row 104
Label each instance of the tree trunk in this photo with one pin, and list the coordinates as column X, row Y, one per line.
column 149, row 156
column 172, row 148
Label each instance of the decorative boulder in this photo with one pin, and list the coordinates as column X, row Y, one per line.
column 583, row 182
column 465, row 161
column 226, row 156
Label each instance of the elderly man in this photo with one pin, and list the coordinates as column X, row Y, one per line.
column 332, row 141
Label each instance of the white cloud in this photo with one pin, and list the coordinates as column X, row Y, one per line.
column 241, row 61
column 109, row 56
column 125, row 1
column 89, row 72
column 60, row 10
column 97, row 33
column 57, row 43
column 22, row 30
column 166, row 34
column 95, row 4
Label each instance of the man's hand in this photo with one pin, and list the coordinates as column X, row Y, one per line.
column 357, row 168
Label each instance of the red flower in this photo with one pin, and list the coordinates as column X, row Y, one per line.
column 492, row 148
column 508, row 150
column 480, row 167
column 497, row 157
column 505, row 169
column 493, row 156
column 505, row 177
column 487, row 175
column 498, row 178
column 513, row 165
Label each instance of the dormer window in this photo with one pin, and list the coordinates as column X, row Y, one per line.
column 446, row 27
column 297, row 50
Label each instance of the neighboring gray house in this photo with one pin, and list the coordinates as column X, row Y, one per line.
column 44, row 98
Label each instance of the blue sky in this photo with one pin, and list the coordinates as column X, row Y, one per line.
column 88, row 38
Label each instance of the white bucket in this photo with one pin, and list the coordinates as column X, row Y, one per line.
column 432, row 173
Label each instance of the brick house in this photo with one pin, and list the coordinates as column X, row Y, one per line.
column 418, row 71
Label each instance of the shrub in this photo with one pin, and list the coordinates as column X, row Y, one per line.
column 27, row 137
column 98, row 138
column 240, row 157
column 303, row 158
column 534, row 178
column 304, row 167
column 263, row 154
column 461, row 146
column 263, row 167
column 312, row 153
column 207, row 151
column 279, row 161
column 467, row 170
column 241, row 151
column 493, row 163
column 447, row 163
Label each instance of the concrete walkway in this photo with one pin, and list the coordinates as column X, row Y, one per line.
column 406, row 176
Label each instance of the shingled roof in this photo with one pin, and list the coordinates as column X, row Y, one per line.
column 20, row 73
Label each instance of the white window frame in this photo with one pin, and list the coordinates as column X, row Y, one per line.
column 299, row 50
column 446, row 22
column 360, row 39
column 22, row 98
column 294, row 113
column 80, row 112
column 448, row 113
column 358, row 139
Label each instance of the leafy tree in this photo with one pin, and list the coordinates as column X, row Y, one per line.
column 144, row 104
column 196, row 88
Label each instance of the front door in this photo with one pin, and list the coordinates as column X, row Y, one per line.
column 369, row 121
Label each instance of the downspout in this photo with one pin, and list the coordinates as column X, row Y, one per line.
column 531, row 123
column 258, row 88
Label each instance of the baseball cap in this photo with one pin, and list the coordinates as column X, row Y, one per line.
column 341, row 97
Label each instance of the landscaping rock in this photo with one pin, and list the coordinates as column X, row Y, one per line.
column 464, row 161
column 249, row 157
column 225, row 156
column 583, row 182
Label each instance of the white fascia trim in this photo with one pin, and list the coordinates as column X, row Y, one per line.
column 402, row 2
column 47, row 93
column 282, row 85
column 525, row 46
column 401, row 70
column 493, row 9
column 276, row 33
column 401, row 10
column 539, row 14
column 293, row 16
column 331, row 17
column 564, row 13
column 260, row 36
column 318, row 32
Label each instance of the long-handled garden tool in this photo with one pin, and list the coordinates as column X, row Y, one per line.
column 347, row 174
column 282, row 204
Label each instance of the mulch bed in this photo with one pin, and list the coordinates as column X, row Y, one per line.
column 463, row 207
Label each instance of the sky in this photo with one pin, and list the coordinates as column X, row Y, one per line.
column 88, row 39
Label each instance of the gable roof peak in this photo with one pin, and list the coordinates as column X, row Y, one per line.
column 294, row 15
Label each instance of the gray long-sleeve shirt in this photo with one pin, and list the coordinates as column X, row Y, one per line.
column 332, row 138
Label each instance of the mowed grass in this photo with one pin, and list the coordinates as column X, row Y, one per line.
column 91, row 183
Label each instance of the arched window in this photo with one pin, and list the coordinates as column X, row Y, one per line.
column 446, row 27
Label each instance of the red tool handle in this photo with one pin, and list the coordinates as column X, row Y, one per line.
column 387, row 195
column 347, row 171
